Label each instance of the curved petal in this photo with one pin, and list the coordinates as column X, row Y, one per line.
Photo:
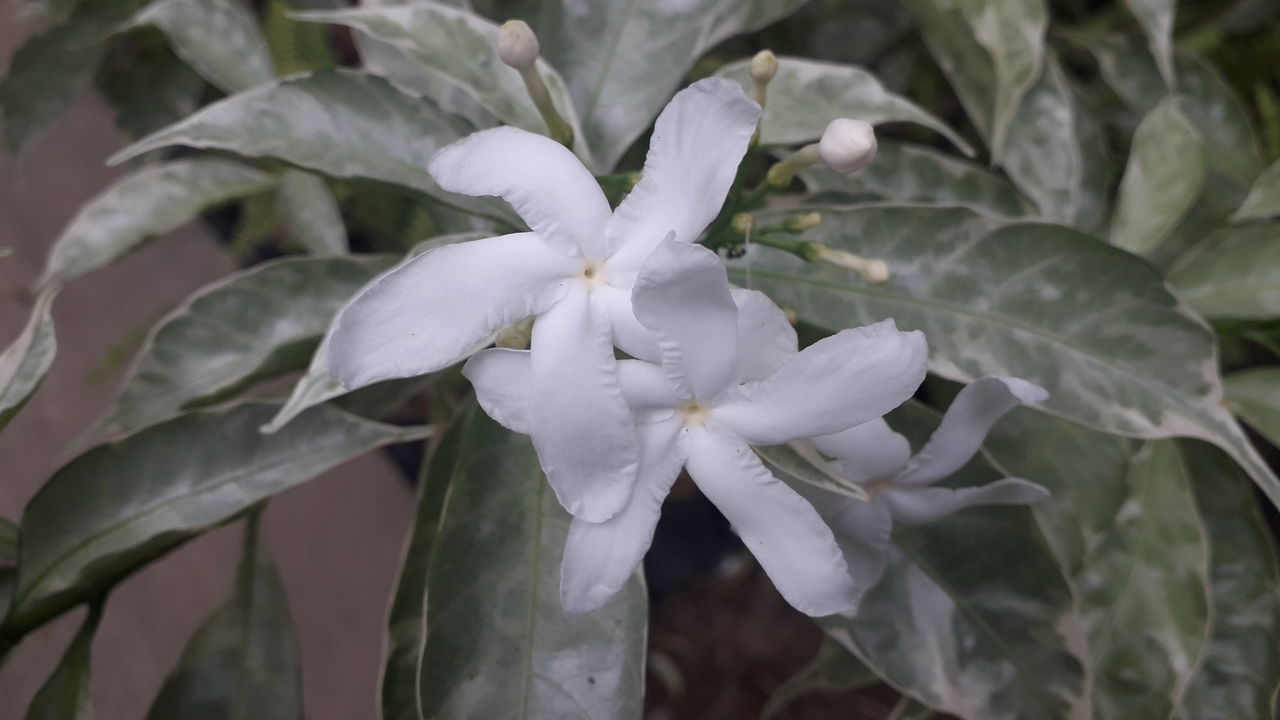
column 502, row 379
column 546, row 184
column 866, row 452
column 599, row 557
column 441, row 306
column 918, row 505
column 629, row 335
column 582, row 428
column 838, row 382
column 765, row 334
column 794, row 546
column 645, row 387
column 964, row 426
column 862, row 530
column 682, row 296
column 697, row 143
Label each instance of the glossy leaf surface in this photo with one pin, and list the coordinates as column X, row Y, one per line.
column 24, row 363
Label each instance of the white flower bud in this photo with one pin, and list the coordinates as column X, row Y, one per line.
column 763, row 67
column 517, row 45
column 848, row 145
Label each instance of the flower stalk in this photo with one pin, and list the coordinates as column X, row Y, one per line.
column 518, row 48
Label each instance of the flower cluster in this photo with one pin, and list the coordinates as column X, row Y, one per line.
column 711, row 370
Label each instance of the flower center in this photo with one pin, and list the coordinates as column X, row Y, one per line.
column 592, row 274
column 694, row 414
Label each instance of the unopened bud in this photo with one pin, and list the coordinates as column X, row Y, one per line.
column 790, row 314
column 763, row 67
column 802, row 222
column 848, row 145
column 742, row 223
column 517, row 45
column 875, row 271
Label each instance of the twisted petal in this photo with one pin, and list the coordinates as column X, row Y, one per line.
column 581, row 425
column 794, row 546
column 645, row 387
column 546, row 184
column 917, row 505
column 838, row 382
column 965, row 424
column 766, row 336
column 444, row 304
column 599, row 557
column 503, row 380
column 862, row 531
column 628, row 334
column 697, row 143
column 866, row 452
column 682, row 296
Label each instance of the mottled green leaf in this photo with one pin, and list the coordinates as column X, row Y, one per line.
column 907, row 173
column 242, row 662
column 218, row 38
column 623, row 60
column 462, row 47
column 1162, row 179
column 255, row 324
column 476, row 627
column 832, row 669
column 1144, row 592
column 312, row 214
column 1091, row 323
column 8, row 544
column 1234, row 273
column 341, row 123
column 24, row 363
column 143, row 204
column 1255, row 396
column 1239, row 675
column 801, row 461
column 169, row 483
column 1156, row 18
column 991, row 50
column 805, row 95
column 1263, row 200
column 65, row 695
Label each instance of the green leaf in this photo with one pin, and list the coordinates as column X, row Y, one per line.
column 341, row 123
column 991, row 50
column 1163, row 178
column 623, row 60
column 1144, row 592
column 907, row 173
column 8, row 582
column 1156, row 18
column 24, row 363
column 1255, row 396
column 218, row 38
column 1234, row 273
column 950, row 623
column 169, row 483
column 143, row 204
column 312, row 214
column 832, row 669
column 1240, row 671
column 1055, row 153
column 242, row 662
column 461, row 47
column 476, row 628
column 148, row 86
column 806, row 94
column 8, row 544
column 1091, row 323
column 256, row 324
column 1263, row 200
column 65, row 695
column 802, row 461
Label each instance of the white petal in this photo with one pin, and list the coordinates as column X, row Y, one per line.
column 682, row 296
column 862, row 530
column 834, row 384
column 502, row 379
column 599, row 557
column 546, row 184
column 866, row 452
column 965, row 424
column 441, row 306
column 645, row 386
column 794, row 546
column 767, row 338
column 581, row 425
column 628, row 334
column 916, row 505
column 698, row 142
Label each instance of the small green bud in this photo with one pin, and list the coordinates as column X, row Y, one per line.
column 802, row 222
column 742, row 223
column 875, row 271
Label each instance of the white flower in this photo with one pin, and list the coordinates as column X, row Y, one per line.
column 729, row 378
column 573, row 271
column 902, row 487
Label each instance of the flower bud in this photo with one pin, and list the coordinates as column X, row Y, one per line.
column 517, row 45
column 742, row 223
column 875, row 271
column 848, row 145
column 802, row 222
column 763, row 67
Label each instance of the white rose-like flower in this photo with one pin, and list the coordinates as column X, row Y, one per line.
column 848, row 145
column 729, row 378
column 574, row 271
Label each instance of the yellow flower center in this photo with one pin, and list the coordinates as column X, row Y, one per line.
column 694, row 414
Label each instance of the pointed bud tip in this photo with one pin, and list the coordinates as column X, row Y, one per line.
column 742, row 223
column 848, row 145
column 517, row 45
column 764, row 66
